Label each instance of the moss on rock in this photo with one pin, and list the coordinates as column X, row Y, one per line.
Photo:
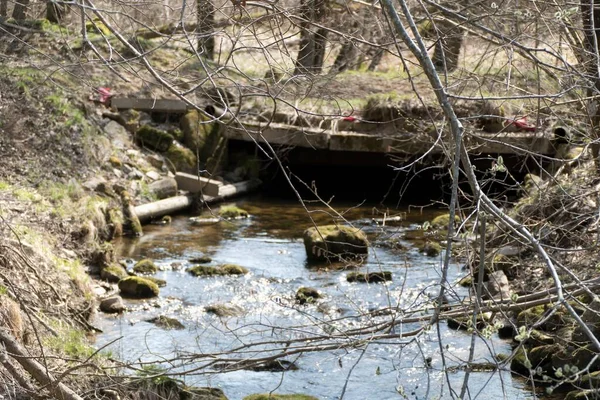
column 113, row 273
column 201, row 260
column 431, row 249
column 442, row 221
column 165, row 322
column 137, row 287
column 204, row 138
column 225, row 269
column 182, row 158
column 232, row 212
column 224, row 310
column 307, row 295
column 334, row 241
column 153, row 138
column 157, row 281
column 466, row 281
column 369, row 277
column 145, row 266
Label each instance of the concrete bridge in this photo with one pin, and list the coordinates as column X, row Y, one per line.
column 397, row 143
column 380, row 140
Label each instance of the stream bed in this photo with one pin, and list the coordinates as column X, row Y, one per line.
column 269, row 244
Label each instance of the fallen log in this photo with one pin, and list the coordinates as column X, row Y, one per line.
column 146, row 212
column 39, row 372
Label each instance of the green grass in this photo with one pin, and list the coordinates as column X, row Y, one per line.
column 71, row 342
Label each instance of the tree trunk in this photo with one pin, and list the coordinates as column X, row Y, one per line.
column 590, row 16
column 55, row 12
column 206, row 28
column 312, row 45
column 346, row 58
column 305, row 54
column 3, row 8
column 447, row 47
column 377, row 57
column 319, row 50
column 20, row 10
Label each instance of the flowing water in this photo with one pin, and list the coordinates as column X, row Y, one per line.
column 269, row 244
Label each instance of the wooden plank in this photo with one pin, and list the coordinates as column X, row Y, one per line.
column 160, row 105
column 195, row 184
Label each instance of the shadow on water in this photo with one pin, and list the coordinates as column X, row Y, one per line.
column 269, row 244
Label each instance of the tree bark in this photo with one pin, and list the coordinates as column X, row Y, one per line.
column 3, row 8
column 312, row 44
column 590, row 16
column 20, row 10
column 346, row 58
column 447, row 47
column 55, row 12
column 319, row 50
column 206, row 28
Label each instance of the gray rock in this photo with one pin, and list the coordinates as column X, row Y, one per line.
column 119, row 136
column 497, row 286
column 163, row 188
column 112, row 305
column 153, row 175
column 155, row 160
column 93, row 183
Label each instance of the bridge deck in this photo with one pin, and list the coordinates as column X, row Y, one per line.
column 350, row 141
column 476, row 142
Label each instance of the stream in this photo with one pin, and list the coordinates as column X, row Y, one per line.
column 269, row 244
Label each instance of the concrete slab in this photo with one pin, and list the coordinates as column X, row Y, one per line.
column 159, row 105
column 280, row 134
column 195, row 184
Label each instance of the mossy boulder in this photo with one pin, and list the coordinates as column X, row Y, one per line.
column 307, row 295
column 138, row 287
column 205, row 139
column 224, row 310
column 442, row 221
column 272, row 396
column 96, row 26
column 431, row 249
column 182, row 158
column 369, row 277
column 157, row 281
column 113, row 273
column 466, row 281
column 154, row 138
column 329, row 242
column 219, row 270
column 165, row 322
column 145, row 266
column 464, row 323
column 201, row 260
column 533, row 315
column 232, row 212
